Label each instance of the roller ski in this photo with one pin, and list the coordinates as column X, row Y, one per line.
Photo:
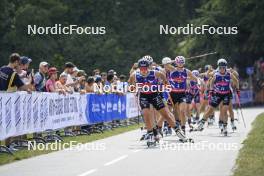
column 153, row 140
column 200, row 126
column 225, row 130
column 182, row 136
column 233, row 126
column 211, row 121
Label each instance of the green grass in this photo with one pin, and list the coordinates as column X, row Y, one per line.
column 22, row 154
column 250, row 161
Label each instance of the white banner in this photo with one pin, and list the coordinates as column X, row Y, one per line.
column 23, row 113
column 132, row 106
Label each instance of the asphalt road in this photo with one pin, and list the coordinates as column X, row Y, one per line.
column 124, row 155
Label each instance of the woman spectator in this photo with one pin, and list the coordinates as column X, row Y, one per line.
column 61, row 83
column 81, row 76
column 51, row 82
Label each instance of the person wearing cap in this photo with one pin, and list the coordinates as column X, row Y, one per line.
column 23, row 70
column 11, row 82
column 9, row 79
column 111, row 72
column 51, row 82
column 40, row 77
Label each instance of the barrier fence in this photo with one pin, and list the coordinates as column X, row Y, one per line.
column 23, row 113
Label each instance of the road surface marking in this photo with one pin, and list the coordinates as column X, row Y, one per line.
column 116, row 160
column 135, row 151
column 88, row 172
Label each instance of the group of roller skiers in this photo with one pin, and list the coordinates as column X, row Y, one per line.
column 169, row 93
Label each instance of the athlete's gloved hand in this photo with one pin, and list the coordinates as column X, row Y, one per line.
column 238, row 93
column 211, row 92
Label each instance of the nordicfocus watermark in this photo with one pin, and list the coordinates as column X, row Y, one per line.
column 72, row 145
column 138, row 87
column 59, row 29
column 190, row 29
column 200, row 146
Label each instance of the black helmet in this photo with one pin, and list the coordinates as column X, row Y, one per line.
column 143, row 63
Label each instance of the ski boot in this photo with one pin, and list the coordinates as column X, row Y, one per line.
column 211, row 121
column 201, row 125
column 183, row 129
column 196, row 121
column 233, row 125
column 160, row 132
column 178, row 124
column 169, row 131
column 182, row 136
column 153, row 140
column 225, row 129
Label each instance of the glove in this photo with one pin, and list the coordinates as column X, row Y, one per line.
column 211, row 92
column 238, row 93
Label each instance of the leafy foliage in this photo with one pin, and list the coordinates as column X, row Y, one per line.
column 132, row 30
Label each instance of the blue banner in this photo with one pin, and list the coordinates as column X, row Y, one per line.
column 105, row 108
column 246, row 96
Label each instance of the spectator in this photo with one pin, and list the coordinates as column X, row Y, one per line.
column 51, row 82
column 9, row 79
column 40, row 77
column 23, row 70
column 69, row 69
column 122, row 85
column 61, row 83
column 96, row 72
column 98, row 85
column 104, row 77
column 81, row 74
column 90, row 85
column 111, row 72
column 108, row 84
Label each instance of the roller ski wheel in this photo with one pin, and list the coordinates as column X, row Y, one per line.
column 151, row 143
column 234, row 128
column 188, row 140
column 225, row 133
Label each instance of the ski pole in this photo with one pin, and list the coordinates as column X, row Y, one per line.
column 239, row 105
column 237, row 112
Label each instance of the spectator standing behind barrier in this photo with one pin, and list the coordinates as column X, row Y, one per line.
column 40, row 77
column 108, row 83
column 122, row 85
column 90, row 85
column 96, row 72
column 104, row 77
column 23, row 70
column 99, row 85
column 51, row 82
column 11, row 82
column 82, row 76
column 69, row 69
column 61, row 83
column 9, row 79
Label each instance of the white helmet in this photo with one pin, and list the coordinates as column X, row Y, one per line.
column 166, row 60
column 195, row 73
column 148, row 58
column 222, row 62
column 180, row 60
